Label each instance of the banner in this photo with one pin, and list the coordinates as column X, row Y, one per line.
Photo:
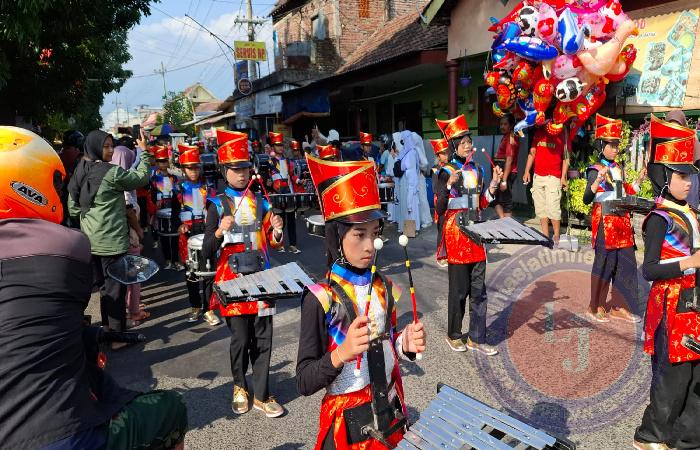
column 241, row 71
column 665, row 50
column 251, row 51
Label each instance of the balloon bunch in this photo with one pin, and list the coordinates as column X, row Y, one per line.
column 557, row 55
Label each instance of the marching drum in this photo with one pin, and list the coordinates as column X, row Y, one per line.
column 386, row 192
column 282, row 203
column 210, row 165
column 304, row 202
column 195, row 258
column 196, row 221
column 316, row 226
column 165, row 222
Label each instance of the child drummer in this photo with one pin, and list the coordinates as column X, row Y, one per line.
column 240, row 228
column 335, row 328
column 613, row 236
column 192, row 196
column 164, row 196
column 671, row 260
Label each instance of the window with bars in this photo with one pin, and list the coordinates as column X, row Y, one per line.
column 363, row 9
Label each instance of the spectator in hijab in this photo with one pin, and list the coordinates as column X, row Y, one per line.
column 124, row 158
column 96, row 198
column 425, row 217
column 409, row 183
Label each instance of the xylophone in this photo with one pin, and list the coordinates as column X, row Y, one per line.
column 454, row 420
column 280, row 282
column 502, row 231
column 629, row 203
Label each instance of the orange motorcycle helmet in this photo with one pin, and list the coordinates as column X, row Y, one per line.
column 31, row 176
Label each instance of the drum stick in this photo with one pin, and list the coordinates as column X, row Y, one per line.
column 483, row 150
column 262, row 185
column 403, row 242
column 469, row 157
column 378, row 244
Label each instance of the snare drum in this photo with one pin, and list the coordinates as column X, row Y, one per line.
column 194, row 221
column 195, row 258
column 165, row 222
column 316, row 226
column 280, row 201
column 386, row 192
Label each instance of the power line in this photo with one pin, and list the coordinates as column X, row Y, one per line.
column 180, row 68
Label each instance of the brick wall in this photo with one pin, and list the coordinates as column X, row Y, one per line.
column 345, row 31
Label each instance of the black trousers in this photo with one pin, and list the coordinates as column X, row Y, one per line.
column 199, row 293
column 673, row 414
column 112, row 293
column 170, row 246
column 618, row 266
column 290, row 224
column 467, row 280
column 251, row 340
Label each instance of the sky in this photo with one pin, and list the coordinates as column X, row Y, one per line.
column 188, row 53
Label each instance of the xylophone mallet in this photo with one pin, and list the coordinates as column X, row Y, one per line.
column 483, row 150
column 378, row 244
column 403, row 242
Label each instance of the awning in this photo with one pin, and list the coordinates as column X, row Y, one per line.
column 202, row 116
column 215, row 119
column 301, row 114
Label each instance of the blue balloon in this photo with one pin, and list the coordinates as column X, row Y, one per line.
column 571, row 35
column 528, row 107
column 532, row 48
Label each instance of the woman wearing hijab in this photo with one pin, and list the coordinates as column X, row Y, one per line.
column 426, row 219
column 125, row 158
column 96, row 197
column 409, row 192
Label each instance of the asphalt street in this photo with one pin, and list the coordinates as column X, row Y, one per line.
column 556, row 370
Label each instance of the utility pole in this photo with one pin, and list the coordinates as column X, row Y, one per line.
column 116, row 105
column 161, row 72
column 252, row 67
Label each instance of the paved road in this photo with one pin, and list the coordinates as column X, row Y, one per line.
column 555, row 370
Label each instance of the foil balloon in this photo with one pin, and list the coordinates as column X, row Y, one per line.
column 542, row 95
column 571, row 34
column 527, row 20
column 624, row 63
column 497, row 111
column 510, row 31
column 554, row 128
column 525, row 74
column 507, row 62
column 587, row 8
column 531, row 48
column 568, row 90
column 505, row 92
column 498, row 25
column 562, row 113
column 600, row 60
column 612, row 16
column 527, row 107
column 491, row 78
column 547, row 24
column 566, row 66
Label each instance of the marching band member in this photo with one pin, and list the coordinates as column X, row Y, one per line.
column 328, row 153
column 192, row 196
column 336, row 328
column 671, row 260
column 164, row 195
column 283, row 182
column 613, row 236
column 440, row 147
column 461, row 191
column 243, row 223
column 366, row 146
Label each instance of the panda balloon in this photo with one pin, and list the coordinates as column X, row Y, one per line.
column 527, row 19
column 570, row 89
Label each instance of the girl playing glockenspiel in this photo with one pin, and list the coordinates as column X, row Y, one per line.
column 337, row 326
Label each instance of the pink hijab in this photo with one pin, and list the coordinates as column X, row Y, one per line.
column 123, row 157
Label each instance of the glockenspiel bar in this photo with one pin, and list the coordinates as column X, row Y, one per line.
column 465, row 420
column 465, row 433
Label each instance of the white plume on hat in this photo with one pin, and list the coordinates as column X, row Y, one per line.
column 333, row 135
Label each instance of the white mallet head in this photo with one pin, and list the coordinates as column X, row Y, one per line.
column 357, row 372
column 483, row 150
column 419, row 356
column 403, row 240
column 378, row 244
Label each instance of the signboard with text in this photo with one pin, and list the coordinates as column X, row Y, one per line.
column 250, row 51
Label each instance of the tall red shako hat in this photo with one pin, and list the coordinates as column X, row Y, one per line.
column 348, row 190
column 439, row 145
column 327, row 151
column 365, row 138
column 234, row 151
column 607, row 129
column 160, row 153
column 454, row 128
column 189, row 155
column 672, row 145
column 276, row 138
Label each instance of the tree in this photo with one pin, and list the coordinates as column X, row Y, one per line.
column 177, row 110
column 59, row 59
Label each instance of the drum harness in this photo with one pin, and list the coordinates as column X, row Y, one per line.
column 251, row 260
column 373, row 419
